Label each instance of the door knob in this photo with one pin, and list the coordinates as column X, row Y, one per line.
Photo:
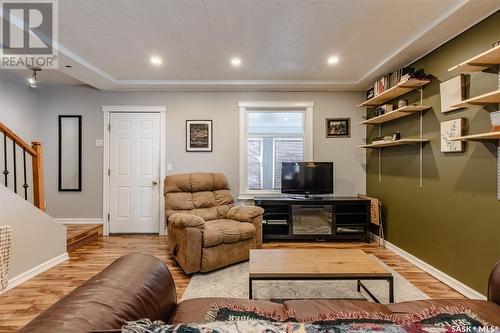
column 154, row 182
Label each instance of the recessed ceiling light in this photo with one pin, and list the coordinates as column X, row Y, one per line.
column 332, row 60
column 155, row 60
column 235, row 62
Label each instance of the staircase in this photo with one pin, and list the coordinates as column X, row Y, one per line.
column 79, row 235
column 38, row 240
column 17, row 151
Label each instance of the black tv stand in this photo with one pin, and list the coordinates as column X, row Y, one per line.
column 314, row 218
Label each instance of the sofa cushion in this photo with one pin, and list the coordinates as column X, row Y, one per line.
column 223, row 231
column 488, row 311
column 312, row 309
column 196, row 182
column 204, row 194
column 207, row 205
column 195, row 310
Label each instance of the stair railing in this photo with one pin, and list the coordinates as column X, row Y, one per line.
column 35, row 151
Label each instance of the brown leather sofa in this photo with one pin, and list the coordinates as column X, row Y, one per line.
column 206, row 231
column 140, row 286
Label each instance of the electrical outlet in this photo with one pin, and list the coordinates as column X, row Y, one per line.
column 169, row 167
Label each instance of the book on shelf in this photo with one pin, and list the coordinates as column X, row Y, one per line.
column 390, row 80
column 382, row 139
column 370, row 93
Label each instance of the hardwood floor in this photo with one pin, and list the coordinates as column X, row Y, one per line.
column 21, row 304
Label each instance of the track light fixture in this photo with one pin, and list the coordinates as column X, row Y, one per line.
column 33, row 80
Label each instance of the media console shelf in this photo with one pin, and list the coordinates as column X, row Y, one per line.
column 329, row 218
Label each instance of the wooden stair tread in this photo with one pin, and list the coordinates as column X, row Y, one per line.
column 79, row 235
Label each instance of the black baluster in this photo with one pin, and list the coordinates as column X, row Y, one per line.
column 5, row 171
column 25, row 185
column 15, row 171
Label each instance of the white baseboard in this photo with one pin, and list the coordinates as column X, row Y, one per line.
column 77, row 220
column 29, row 274
column 441, row 276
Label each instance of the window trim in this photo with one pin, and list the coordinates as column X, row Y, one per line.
column 272, row 106
column 274, row 151
column 261, row 157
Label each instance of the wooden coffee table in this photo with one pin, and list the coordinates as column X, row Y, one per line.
column 317, row 264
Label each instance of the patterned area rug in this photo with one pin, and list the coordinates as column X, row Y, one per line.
column 232, row 281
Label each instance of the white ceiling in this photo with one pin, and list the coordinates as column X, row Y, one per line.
column 284, row 44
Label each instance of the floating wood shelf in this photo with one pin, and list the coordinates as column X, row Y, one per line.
column 489, row 136
column 394, row 143
column 479, row 62
column 396, row 91
column 398, row 113
column 485, row 99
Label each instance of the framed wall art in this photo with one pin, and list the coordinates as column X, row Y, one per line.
column 70, row 153
column 199, row 135
column 452, row 92
column 338, row 127
column 452, row 129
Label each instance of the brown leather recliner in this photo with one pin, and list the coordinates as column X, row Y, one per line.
column 206, row 231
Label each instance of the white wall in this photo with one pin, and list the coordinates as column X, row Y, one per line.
column 221, row 107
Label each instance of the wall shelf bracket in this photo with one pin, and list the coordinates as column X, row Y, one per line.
column 498, row 170
column 498, row 146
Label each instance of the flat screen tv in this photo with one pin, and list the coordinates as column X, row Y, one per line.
column 307, row 178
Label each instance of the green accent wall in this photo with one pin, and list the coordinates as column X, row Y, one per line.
column 453, row 223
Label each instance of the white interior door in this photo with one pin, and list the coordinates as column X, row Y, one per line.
column 134, row 159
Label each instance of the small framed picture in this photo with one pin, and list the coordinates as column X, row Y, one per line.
column 338, row 127
column 198, row 135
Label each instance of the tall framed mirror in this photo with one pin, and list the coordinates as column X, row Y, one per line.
column 70, row 153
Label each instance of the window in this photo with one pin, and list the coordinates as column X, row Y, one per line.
column 268, row 137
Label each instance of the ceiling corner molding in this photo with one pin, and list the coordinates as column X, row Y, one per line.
column 134, row 108
column 275, row 104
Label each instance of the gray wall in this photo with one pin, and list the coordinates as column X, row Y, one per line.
column 20, row 110
column 20, row 106
column 221, row 107
column 36, row 237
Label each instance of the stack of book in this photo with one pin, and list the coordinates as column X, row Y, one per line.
column 390, row 80
column 382, row 139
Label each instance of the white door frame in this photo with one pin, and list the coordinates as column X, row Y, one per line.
column 106, row 112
